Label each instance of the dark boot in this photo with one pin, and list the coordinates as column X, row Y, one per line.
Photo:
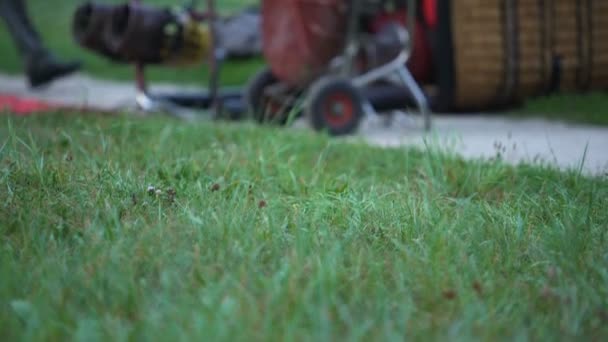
column 44, row 68
column 41, row 66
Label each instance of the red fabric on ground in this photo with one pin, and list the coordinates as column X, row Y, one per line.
column 23, row 106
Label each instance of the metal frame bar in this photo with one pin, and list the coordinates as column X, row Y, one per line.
column 396, row 66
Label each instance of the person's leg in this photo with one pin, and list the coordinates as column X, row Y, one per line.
column 41, row 65
column 19, row 29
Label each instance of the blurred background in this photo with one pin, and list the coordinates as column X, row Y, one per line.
column 53, row 19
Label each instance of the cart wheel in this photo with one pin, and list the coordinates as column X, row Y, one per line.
column 336, row 105
column 260, row 107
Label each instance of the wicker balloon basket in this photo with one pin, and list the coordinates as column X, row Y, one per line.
column 497, row 52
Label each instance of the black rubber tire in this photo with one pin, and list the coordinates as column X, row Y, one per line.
column 331, row 91
column 256, row 105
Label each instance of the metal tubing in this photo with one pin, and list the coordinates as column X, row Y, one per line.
column 382, row 71
column 214, row 61
column 398, row 65
column 411, row 21
column 140, row 72
column 351, row 41
column 418, row 95
column 149, row 104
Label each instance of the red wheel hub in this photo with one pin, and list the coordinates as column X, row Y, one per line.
column 339, row 109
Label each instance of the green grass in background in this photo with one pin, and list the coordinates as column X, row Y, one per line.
column 264, row 234
column 589, row 108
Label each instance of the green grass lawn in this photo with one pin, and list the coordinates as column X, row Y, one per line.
column 267, row 234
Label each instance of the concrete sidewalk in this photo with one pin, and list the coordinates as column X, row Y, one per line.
column 472, row 136
column 517, row 140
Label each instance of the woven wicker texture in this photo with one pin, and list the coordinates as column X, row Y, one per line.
column 508, row 50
